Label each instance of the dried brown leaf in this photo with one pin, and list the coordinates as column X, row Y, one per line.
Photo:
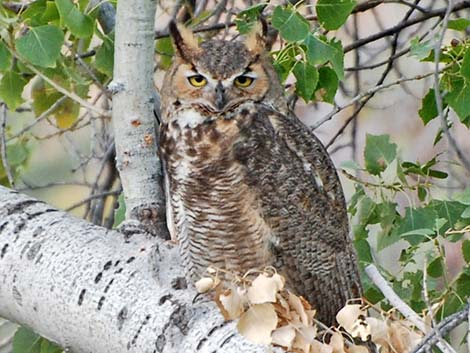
column 284, row 336
column 264, row 288
column 233, row 303
column 257, row 323
column 205, row 284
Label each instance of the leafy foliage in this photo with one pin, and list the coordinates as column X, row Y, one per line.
column 421, row 229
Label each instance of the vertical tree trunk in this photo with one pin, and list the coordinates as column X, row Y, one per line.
column 133, row 114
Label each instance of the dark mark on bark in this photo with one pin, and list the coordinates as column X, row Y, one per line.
column 117, row 263
column 98, row 277
column 25, row 248
column 3, row 225
column 4, row 251
column 81, row 296
column 160, row 343
column 164, row 299
column 179, row 283
column 122, row 316
column 139, row 330
column 129, row 260
column 225, row 341
column 19, row 226
column 119, row 270
column 31, row 216
column 201, row 342
column 17, row 296
column 215, row 328
column 37, row 231
column 107, row 265
column 179, row 318
column 101, row 302
column 108, row 285
column 39, row 258
column 31, row 254
column 54, row 222
column 18, row 207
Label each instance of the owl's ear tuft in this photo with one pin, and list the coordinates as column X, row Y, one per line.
column 184, row 40
column 260, row 38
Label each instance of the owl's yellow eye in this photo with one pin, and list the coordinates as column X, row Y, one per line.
column 243, row 81
column 197, row 80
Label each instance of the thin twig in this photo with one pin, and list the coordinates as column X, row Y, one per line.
column 366, row 93
column 69, row 94
column 390, row 31
column 40, row 118
column 93, row 197
column 3, row 145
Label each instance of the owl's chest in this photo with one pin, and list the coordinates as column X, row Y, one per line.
column 194, row 146
column 217, row 216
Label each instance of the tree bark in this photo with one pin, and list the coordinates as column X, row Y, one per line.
column 134, row 122
column 94, row 290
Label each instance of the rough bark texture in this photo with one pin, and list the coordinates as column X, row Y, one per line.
column 133, row 114
column 97, row 291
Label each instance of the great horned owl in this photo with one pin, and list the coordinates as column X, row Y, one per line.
column 247, row 184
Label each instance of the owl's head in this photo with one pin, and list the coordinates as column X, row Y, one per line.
column 217, row 75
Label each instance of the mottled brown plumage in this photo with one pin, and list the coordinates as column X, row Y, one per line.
column 248, row 185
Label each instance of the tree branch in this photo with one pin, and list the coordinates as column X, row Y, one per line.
column 90, row 289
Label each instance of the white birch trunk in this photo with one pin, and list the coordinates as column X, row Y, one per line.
column 98, row 291
column 133, row 117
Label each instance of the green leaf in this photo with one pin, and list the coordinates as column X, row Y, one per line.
column 463, row 284
column 466, row 213
column 421, row 50
column 450, row 211
column 18, row 153
column 49, row 347
column 165, row 50
column 463, row 197
column 458, row 100
column 327, row 84
column 41, row 45
column 333, row 13
column 34, row 13
column 466, row 250
column 363, row 251
column 428, row 109
column 248, row 17
column 307, row 78
column 291, row 25
column 417, row 225
column 26, row 341
column 51, row 14
column 11, row 88
column 460, row 24
column 79, row 24
column 320, row 51
column 436, row 268
column 379, row 153
column 422, row 193
column 5, row 57
column 465, row 66
column 120, row 212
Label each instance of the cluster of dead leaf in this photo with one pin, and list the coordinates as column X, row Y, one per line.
column 267, row 313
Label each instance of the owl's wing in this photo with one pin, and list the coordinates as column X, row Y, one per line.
column 303, row 203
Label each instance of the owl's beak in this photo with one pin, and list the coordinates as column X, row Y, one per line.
column 220, row 99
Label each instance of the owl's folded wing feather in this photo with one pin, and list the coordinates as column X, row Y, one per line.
column 303, row 203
